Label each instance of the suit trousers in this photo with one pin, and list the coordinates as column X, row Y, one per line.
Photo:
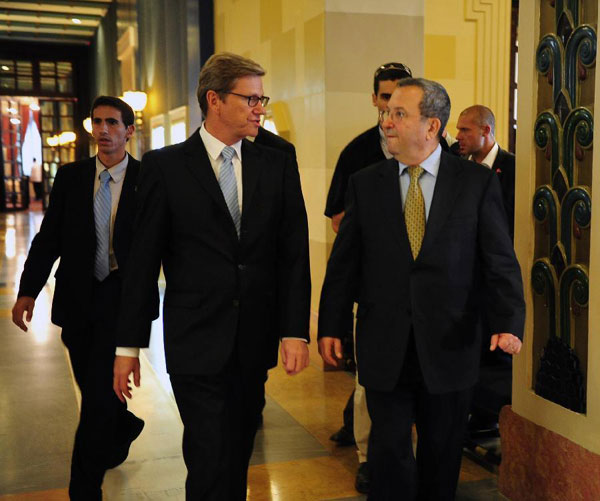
column 103, row 417
column 440, row 420
column 220, row 415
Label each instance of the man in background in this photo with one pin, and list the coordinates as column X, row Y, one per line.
column 88, row 225
column 476, row 127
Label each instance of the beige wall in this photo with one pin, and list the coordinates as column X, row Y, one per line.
column 320, row 56
column 467, row 50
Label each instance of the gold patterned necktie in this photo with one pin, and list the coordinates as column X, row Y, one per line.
column 414, row 210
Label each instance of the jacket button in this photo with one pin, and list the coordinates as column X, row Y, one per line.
column 236, row 303
column 408, row 311
column 241, row 267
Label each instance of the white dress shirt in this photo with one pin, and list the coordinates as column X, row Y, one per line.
column 490, row 158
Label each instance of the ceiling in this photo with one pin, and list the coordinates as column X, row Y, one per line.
column 60, row 21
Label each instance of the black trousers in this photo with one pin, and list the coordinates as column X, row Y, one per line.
column 103, row 418
column 441, row 421
column 220, row 415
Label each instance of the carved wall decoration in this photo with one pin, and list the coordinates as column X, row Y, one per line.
column 563, row 133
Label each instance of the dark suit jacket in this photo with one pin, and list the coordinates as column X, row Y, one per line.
column 466, row 265
column 267, row 138
column 68, row 232
column 504, row 166
column 222, row 294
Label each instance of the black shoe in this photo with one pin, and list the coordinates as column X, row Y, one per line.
column 362, row 478
column 122, row 450
column 343, row 437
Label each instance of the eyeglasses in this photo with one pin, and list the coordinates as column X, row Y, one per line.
column 393, row 66
column 252, row 100
column 394, row 115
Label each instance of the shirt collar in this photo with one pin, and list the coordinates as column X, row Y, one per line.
column 431, row 164
column 214, row 147
column 117, row 172
column 490, row 158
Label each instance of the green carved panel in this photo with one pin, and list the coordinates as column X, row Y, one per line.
column 561, row 205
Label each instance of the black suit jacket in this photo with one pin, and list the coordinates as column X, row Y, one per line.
column 504, row 166
column 466, row 266
column 222, row 294
column 68, row 232
column 267, row 138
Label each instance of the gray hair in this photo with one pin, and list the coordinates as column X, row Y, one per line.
column 482, row 115
column 435, row 102
column 220, row 73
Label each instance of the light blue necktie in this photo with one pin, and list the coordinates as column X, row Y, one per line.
column 102, row 209
column 228, row 186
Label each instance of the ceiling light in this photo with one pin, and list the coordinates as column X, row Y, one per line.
column 15, row 121
column 13, row 111
column 75, row 20
column 34, row 107
column 5, row 68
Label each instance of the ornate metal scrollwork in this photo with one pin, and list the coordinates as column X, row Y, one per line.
column 563, row 209
column 546, row 130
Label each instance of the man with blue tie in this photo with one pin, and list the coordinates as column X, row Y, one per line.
column 226, row 219
column 88, row 225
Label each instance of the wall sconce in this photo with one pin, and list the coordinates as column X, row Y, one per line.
column 66, row 137
column 87, row 125
column 52, row 141
column 137, row 100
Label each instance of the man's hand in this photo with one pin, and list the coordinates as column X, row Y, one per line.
column 294, row 355
column 122, row 368
column 330, row 349
column 506, row 342
column 22, row 305
column 336, row 220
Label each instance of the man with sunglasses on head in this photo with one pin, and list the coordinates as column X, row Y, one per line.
column 367, row 148
column 226, row 219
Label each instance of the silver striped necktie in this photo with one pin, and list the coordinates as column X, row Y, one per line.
column 228, row 186
column 102, row 209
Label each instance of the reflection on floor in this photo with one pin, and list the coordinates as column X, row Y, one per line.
column 293, row 459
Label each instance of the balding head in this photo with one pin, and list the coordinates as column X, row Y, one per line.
column 476, row 126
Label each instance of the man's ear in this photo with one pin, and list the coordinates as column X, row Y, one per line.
column 374, row 98
column 435, row 125
column 486, row 130
column 130, row 131
column 213, row 100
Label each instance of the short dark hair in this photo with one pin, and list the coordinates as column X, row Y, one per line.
column 127, row 113
column 220, row 73
column 390, row 71
column 435, row 102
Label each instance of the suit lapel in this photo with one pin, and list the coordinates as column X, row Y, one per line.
column 127, row 198
column 198, row 163
column 250, row 173
column 88, row 175
column 447, row 188
column 389, row 191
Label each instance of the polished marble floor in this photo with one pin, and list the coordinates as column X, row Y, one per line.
column 293, row 459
